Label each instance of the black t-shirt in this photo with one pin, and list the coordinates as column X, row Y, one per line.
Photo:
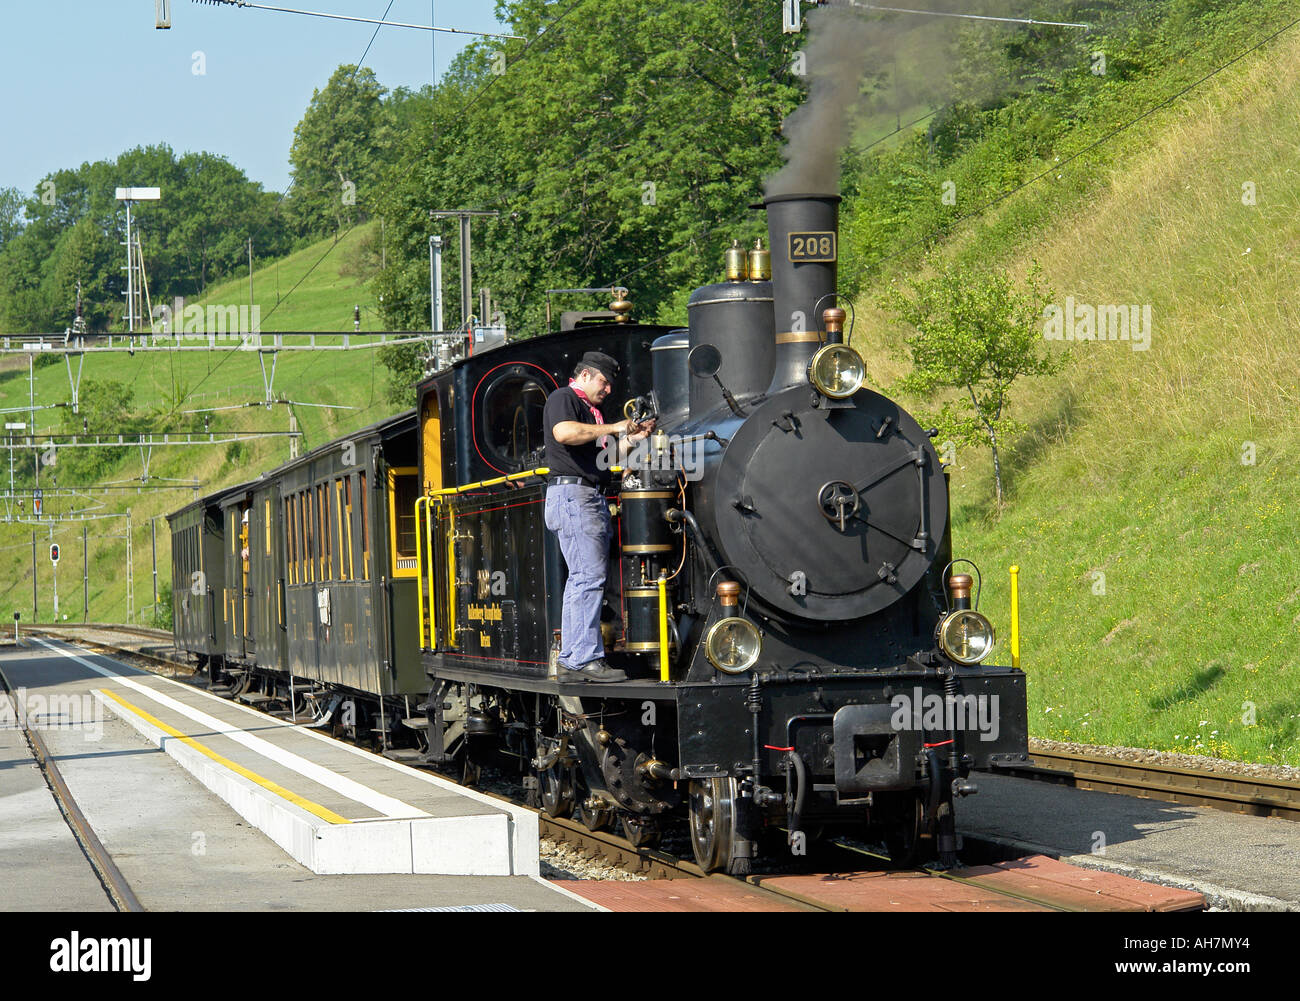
column 571, row 460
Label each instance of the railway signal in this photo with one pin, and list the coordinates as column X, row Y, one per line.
column 54, row 553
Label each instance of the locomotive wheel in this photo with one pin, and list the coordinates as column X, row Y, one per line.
column 903, row 831
column 556, row 791
column 643, row 832
column 713, row 826
column 593, row 819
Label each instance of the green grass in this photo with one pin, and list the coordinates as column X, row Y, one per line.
column 1133, row 465
column 172, row 382
column 316, row 288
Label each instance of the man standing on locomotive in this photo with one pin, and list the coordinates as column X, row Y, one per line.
column 576, row 510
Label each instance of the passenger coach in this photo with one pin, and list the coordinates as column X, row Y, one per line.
column 310, row 571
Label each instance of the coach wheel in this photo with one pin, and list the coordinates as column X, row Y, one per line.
column 714, row 828
column 557, row 791
column 643, row 832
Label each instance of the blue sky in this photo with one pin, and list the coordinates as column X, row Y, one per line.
column 86, row 79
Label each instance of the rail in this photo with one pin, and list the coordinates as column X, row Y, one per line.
column 110, row 876
column 1255, row 796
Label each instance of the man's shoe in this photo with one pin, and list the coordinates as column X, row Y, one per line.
column 598, row 670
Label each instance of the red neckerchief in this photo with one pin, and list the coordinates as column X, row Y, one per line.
column 595, row 411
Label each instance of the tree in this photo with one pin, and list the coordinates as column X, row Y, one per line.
column 613, row 155
column 405, row 368
column 11, row 214
column 976, row 332
column 72, row 228
column 338, row 149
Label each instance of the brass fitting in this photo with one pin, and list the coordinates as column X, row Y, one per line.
column 736, row 262
column 959, row 585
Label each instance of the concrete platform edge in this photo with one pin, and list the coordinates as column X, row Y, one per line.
column 1221, row 898
column 460, row 846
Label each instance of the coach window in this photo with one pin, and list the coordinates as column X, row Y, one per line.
column 341, row 520
column 291, row 549
column 346, row 483
column 365, row 526
column 326, row 542
column 403, row 489
column 309, row 511
column 512, row 419
column 266, row 508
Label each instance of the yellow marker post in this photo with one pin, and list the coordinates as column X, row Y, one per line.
column 663, row 628
column 1015, row 617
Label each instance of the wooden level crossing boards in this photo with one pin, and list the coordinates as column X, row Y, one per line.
column 1031, row 884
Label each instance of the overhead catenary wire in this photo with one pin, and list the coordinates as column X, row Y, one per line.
column 351, row 17
column 859, row 5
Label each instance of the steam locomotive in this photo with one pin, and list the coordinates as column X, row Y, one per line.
column 801, row 656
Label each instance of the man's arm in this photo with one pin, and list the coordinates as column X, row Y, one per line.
column 577, row 433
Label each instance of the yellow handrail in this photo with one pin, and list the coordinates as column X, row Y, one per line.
column 419, row 571
column 541, row 471
column 663, row 629
column 428, row 541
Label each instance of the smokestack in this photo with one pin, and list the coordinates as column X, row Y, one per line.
column 803, row 232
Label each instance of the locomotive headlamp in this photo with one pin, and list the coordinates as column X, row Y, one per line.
column 837, row 371
column 733, row 645
column 966, row 636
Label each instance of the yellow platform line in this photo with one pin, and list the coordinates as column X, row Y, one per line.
column 279, row 790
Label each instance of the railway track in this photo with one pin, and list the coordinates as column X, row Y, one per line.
column 143, row 658
column 110, row 876
column 147, row 632
column 1081, row 770
column 1260, row 797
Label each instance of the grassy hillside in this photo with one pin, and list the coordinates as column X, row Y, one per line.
column 325, row 279
column 165, row 385
column 1152, row 503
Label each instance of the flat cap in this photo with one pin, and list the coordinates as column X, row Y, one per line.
column 600, row 362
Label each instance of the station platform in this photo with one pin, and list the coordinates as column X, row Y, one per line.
column 332, row 807
column 33, row 834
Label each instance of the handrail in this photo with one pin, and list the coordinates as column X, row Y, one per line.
column 448, row 491
column 513, row 477
column 419, row 570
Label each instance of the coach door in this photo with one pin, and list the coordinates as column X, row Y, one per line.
column 234, row 610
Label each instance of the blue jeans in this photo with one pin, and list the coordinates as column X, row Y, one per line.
column 579, row 516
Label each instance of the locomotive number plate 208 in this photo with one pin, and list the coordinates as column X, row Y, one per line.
column 812, row 247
